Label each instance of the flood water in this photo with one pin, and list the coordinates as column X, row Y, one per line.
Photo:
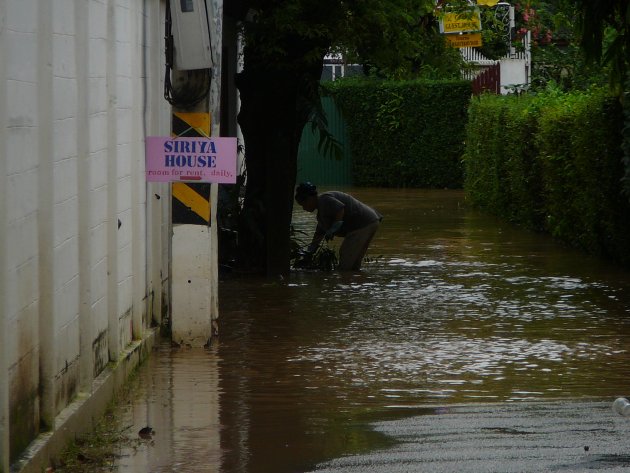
column 454, row 308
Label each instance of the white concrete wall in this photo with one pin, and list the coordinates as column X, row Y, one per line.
column 514, row 73
column 84, row 242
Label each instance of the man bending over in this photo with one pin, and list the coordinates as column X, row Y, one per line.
column 340, row 214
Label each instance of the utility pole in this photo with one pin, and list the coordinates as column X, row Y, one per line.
column 193, row 88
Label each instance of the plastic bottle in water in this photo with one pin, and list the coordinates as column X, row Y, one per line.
column 621, row 406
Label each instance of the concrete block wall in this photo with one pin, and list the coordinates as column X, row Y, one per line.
column 84, row 242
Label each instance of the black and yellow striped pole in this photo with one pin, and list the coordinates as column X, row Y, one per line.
column 192, row 87
column 191, row 201
column 193, row 247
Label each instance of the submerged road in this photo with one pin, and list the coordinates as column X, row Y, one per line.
column 451, row 351
column 560, row 436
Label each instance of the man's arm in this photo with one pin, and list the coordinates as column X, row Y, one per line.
column 318, row 236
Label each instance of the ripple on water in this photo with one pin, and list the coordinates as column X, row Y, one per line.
column 459, row 309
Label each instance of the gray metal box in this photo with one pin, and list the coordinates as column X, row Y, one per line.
column 191, row 35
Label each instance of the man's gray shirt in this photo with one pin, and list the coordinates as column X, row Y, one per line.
column 356, row 214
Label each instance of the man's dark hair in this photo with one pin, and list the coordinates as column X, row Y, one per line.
column 304, row 190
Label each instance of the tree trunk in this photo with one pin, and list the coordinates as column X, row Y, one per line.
column 275, row 106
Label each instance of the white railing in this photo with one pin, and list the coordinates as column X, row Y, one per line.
column 474, row 56
column 472, row 73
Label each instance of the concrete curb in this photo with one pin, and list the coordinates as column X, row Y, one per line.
column 84, row 412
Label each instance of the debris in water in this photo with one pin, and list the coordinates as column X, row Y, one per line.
column 146, row 432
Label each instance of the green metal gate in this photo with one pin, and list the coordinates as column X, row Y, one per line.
column 322, row 169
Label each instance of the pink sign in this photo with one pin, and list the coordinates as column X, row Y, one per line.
column 193, row 159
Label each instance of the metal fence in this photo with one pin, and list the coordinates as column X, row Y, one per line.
column 313, row 164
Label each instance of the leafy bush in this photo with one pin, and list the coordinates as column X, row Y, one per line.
column 580, row 141
column 404, row 134
column 502, row 172
column 552, row 162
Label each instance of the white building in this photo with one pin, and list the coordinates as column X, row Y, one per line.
column 84, row 241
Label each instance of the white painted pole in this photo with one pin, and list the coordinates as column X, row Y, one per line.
column 194, row 282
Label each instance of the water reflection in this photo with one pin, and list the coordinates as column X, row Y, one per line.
column 457, row 308
column 176, row 399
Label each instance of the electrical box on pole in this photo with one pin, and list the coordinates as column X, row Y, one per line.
column 191, row 35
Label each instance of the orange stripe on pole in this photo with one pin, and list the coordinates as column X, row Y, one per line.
column 187, row 196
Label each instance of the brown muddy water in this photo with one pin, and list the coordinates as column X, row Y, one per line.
column 457, row 308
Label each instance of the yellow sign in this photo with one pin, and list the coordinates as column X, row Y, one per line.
column 460, row 22
column 471, row 40
column 487, row 3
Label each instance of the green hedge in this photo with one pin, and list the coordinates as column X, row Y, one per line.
column 404, row 134
column 552, row 162
column 501, row 167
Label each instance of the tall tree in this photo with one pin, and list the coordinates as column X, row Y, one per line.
column 605, row 34
column 285, row 45
column 605, row 29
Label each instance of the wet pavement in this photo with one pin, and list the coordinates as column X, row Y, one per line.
column 448, row 352
column 566, row 436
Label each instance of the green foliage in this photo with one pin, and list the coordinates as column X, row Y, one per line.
column 327, row 144
column 434, row 59
column 289, row 36
column 579, row 138
column 552, row 162
column 396, row 39
column 566, row 67
column 99, row 449
column 404, row 134
column 605, row 35
column 556, row 55
column 324, row 258
column 502, row 173
column 493, row 35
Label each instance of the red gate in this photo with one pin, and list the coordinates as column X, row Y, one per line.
column 488, row 80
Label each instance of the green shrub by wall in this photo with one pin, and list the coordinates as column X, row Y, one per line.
column 502, row 172
column 552, row 162
column 404, row 134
